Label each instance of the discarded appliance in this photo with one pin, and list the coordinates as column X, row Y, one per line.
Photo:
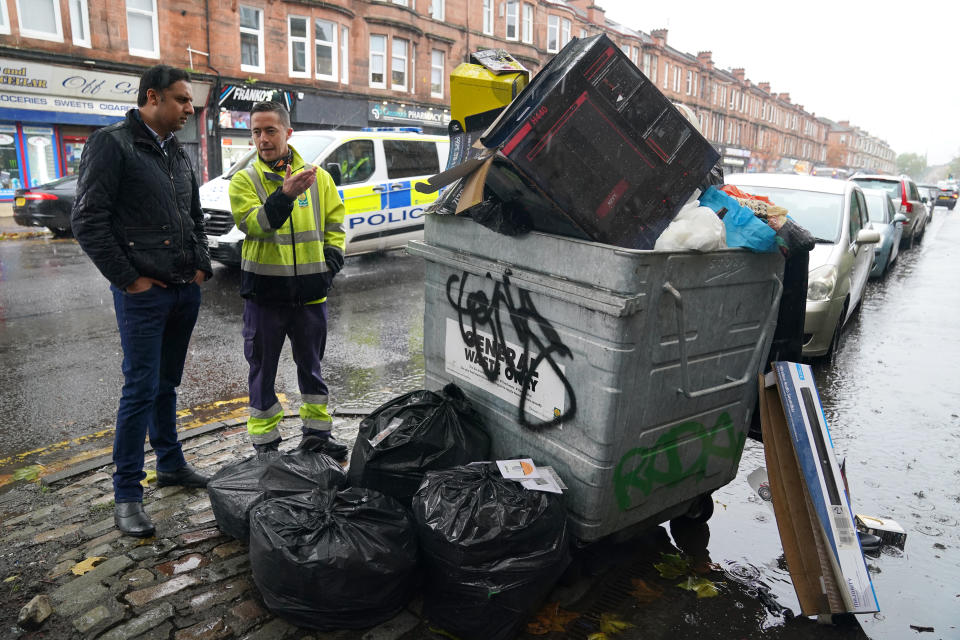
column 809, row 499
column 590, row 149
column 888, row 530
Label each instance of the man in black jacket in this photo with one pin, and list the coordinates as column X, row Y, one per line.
column 138, row 217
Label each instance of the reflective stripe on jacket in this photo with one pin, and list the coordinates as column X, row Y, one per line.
column 282, row 259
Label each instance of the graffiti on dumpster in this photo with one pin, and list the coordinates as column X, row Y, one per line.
column 526, row 365
column 644, row 468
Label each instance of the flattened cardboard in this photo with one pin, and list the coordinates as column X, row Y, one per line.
column 810, row 501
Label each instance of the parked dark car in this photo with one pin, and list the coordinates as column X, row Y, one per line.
column 949, row 192
column 47, row 205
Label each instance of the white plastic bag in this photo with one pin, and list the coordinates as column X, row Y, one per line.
column 694, row 228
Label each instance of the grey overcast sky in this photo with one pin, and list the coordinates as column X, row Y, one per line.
column 891, row 68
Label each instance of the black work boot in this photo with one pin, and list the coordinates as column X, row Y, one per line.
column 267, row 447
column 323, row 442
column 185, row 476
column 132, row 520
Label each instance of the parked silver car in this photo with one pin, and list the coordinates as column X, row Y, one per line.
column 835, row 212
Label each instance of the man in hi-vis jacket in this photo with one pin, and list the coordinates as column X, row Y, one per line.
column 292, row 216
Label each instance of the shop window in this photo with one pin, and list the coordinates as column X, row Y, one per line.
column 251, row 39
column 436, row 73
column 488, row 17
column 325, row 44
column 356, row 160
column 72, row 150
column 513, row 20
column 142, row 32
column 10, row 179
column 406, row 158
column 398, row 67
column 378, row 62
column 553, row 34
column 40, row 19
column 297, row 46
column 80, row 22
column 41, row 156
column 437, row 10
column 344, row 45
column 527, row 23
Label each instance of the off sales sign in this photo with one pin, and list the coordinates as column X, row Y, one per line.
column 467, row 358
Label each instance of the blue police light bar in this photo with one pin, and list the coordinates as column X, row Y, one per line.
column 394, row 129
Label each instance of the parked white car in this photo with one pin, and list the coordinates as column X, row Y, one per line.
column 375, row 171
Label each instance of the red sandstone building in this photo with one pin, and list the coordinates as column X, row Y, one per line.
column 69, row 66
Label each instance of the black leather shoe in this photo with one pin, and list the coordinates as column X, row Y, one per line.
column 183, row 477
column 267, row 447
column 324, row 444
column 131, row 519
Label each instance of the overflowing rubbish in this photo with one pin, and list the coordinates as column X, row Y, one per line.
column 744, row 228
column 492, row 550
column 694, row 228
column 334, row 560
column 810, row 499
column 237, row 488
column 417, row 432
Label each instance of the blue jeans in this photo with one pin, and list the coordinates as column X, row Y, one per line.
column 155, row 327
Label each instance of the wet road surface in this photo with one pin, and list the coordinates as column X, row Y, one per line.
column 891, row 400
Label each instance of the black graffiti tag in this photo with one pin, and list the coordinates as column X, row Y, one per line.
column 534, row 333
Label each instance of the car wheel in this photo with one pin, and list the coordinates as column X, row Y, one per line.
column 951, row 205
column 836, row 340
column 60, row 232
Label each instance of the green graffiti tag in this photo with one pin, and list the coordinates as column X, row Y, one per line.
column 644, row 468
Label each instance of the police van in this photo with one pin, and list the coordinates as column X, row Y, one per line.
column 375, row 171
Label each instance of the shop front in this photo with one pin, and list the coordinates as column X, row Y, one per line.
column 398, row 114
column 235, row 102
column 47, row 112
column 736, row 160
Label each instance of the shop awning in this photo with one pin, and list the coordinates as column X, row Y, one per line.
column 58, row 117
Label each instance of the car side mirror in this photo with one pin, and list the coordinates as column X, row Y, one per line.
column 334, row 170
column 900, row 218
column 868, row 236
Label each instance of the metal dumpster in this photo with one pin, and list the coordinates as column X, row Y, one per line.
column 632, row 373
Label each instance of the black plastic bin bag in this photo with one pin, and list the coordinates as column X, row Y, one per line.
column 236, row 489
column 334, row 560
column 492, row 550
column 415, row 433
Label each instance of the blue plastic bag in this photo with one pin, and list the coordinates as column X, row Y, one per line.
column 744, row 229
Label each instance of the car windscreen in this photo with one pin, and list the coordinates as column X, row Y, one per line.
column 308, row 146
column 890, row 186
column 819, row 213
column 876, row 206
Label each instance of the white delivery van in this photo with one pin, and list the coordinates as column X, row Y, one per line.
column 375, row 171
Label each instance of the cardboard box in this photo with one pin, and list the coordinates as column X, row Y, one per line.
column 591, row 149
column 809, row 499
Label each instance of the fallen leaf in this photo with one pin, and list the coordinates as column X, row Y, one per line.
column 612, row 625
column 703, row 587
column 30, row 473
column 441, row 632
column 921, row 629
column 597, row 636
column 551, row 618
column 86, row 565
column 151, row 477
column 644, row 592
column 11, row 578
column 673, row 566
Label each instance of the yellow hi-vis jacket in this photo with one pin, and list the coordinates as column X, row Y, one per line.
column 282, row 259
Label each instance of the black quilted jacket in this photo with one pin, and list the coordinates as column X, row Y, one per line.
column 137, row 211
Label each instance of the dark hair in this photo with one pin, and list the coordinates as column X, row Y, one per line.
column 275, row 107
column 158, row 78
